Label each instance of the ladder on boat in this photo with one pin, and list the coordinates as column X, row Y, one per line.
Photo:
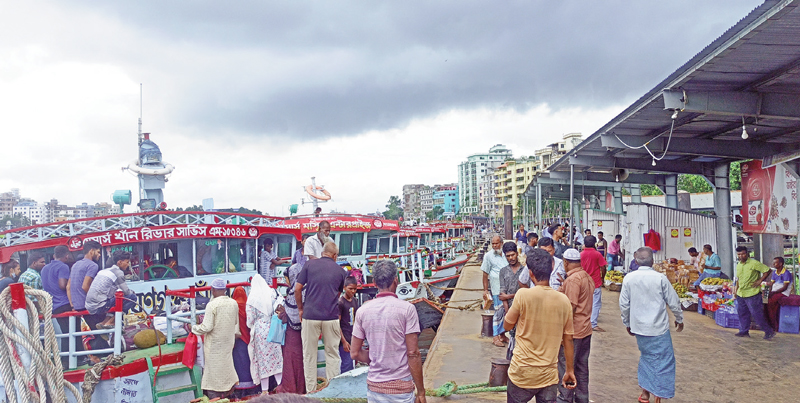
column 168, row 369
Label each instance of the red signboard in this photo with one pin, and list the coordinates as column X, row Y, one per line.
column 769, row 199
column 165, row 233
column 341, row 224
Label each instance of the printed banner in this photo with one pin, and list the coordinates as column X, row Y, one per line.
column 341, row 224
column 144, row 234
column 769, row 199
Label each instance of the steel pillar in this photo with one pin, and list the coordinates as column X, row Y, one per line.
column 636, row 193
column 539, row 204
column 722, row 208
column 570, row 238
column 618, row 200
column 671, row 191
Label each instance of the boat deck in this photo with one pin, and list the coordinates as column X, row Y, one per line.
column 712, row 364
column 138, row 354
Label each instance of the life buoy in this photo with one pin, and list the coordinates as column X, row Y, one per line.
column 326, row 195
column 133, row 166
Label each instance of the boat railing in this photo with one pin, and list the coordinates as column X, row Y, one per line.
column 189, row 317
column 74, row 332
column 42, row 232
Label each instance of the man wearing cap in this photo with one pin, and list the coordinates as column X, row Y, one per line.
column 579, row 288
column 220, row 327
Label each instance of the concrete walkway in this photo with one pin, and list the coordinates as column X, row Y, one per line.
column 712, row 364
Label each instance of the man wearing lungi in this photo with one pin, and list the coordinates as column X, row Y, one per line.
column 643, row 301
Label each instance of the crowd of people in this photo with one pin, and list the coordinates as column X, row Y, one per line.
column 246, row 344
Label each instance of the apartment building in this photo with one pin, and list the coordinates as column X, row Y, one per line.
column 472, row 170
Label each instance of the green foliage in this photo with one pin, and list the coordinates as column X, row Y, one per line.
column 243, row 210
column 736, row 175
column 394, row 208
column 435, row 213
column 693, row 184
column 651, row 190
column 17, row 220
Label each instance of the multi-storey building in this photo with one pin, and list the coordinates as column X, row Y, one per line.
column 31, row 210
column 446, row 197
column 412, row 208
column 426, row 199
column 472, row 170
column 512, row 177
column 7, row 202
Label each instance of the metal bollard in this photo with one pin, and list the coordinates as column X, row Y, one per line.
column 487, row 330
column 498, row 376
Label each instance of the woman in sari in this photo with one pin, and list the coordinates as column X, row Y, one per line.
column 293, row 374
column 241, row 357
column 266, row 359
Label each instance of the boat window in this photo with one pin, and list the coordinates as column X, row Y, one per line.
column 210, row 256
column 383, row 245
column 166, row 260
column 247, row 253
column 138, row 261
column 351, row 244
column 285, row 245
column 402, row 244
column 372, row 245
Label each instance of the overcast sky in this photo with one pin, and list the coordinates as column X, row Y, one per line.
column 249, row 99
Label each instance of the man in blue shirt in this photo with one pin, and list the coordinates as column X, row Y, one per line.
column 712, row 267
column 55, row 277
column 522, row 238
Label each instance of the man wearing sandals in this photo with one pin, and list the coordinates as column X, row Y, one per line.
column 643, row 302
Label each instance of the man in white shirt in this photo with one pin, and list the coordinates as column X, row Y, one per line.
column 643, row 302
column 493, row 262
column 313, row 246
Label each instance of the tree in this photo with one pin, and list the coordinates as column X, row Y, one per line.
column 693, row 184
column 394, row 208
column 17, row 220
column 651, row 190
column 435, row 213
column 192, row 208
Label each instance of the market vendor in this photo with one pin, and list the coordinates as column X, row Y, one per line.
column 780, row 282
column 712, row 267
column 696, row 259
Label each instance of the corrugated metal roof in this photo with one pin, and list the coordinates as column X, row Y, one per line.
column 760, row 54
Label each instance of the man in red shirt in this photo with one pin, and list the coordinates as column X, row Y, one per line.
column 594, row 264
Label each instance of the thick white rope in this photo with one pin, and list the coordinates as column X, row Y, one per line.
column 45, row 372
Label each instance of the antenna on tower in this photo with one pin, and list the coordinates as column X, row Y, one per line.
column 140, row 114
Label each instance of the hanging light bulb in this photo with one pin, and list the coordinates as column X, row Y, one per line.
column 744, row 130
column 654, row 162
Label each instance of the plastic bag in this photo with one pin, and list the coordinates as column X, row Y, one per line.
column 277, row 330
column 190, row 351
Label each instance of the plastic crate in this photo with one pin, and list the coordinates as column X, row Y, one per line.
column 727, row 319
column 789, row 319
column 708, row 313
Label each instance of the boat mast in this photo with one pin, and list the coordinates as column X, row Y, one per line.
column 140, row 118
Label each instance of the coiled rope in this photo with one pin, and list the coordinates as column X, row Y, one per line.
column 45, row 372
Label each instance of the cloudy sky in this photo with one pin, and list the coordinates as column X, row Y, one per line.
column 249, row 99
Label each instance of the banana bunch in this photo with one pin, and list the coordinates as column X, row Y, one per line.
column 681, row 289
column 614, row 276
column 714, row 281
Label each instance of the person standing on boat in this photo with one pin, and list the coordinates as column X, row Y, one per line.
column 323, row 281
column 266, row 358
column 100, row 298
column 55, row 276
column 543, row 319
column 33, row 277
column 220, row 327
column 312, row 248
column 391, row 327
column 493, row 262
column 241, row 355
column 299, row 255
column 293, row 379
column 269, row 261
column 10, row 274
column 522, row 237
column 348, row 306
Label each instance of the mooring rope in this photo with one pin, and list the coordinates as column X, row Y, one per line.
column 45, row 373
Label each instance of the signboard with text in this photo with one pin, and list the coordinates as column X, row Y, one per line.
column 769, row 199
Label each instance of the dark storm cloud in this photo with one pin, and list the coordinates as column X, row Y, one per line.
column 341, row 68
